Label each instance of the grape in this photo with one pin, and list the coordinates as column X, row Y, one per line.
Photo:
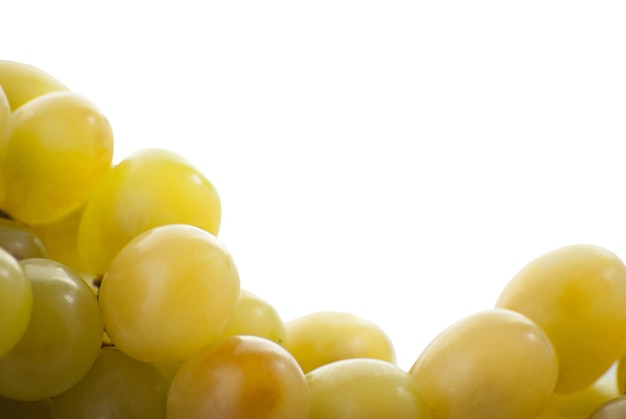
column 612, row 409
column 243, row 377
column 364, row 388
column 117, row 386
column 149, row 188
column 17, row 409
column 20, row 240
column 578, row 405
column 60, row 146
column 620, row 375
column 492, row 364
column 15, row 302
column 22, row 82
column 5, row 132
column 322, row 337
column 169, row 292
column 62, row 339
column 576, row 295
column 60, row 238
column 255, row 316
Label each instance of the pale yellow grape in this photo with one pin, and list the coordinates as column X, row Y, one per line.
column 15, row 302
column 581, row 404
column 22, row 82
column 61, row 145
column 149, row 188
column 169, row 292
column 491, row 364
column 576, row 294
column 257, row 317
column 239, row 377
column 364, row 388
column 322, row 337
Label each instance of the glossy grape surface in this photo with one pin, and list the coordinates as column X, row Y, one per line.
column 15, row 302
column 240, row 377
column 20, row 240
column 491, row 364
column 322, row 337
column 257, row 317
column 576, row 295
column 63, row 337
column 169, row 292
column 22, row 82
column 147, row 189
column 61, row 145
column 364, row 388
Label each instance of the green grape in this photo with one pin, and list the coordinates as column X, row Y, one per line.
column 492, row 364
column 322, row 337
column 17, row 409
column 364, row 388
column 239, row 377
column 15, row 302
column 60, row 146
column 117, row 386
column 62, row 339
column 22, row 82
column 20, row 240
column 576, row 295
column 60, row 238
column 255, row 316
column 149, row 188
column 169, row 292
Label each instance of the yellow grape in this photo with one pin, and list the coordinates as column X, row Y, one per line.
column 60, row 146
column 149, row 188
column 239, row 377
column 581, row 404
column 576, row 294
column 15, row 302
column 255, row 316
column 364, row 388
column 322, row 337
column 22, row 82
column 492, row 364
column 60, row 239
column 169, row 292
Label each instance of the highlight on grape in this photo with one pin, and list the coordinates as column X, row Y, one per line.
column 118, row 300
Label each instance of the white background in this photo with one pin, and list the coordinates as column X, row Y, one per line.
column 396, row 159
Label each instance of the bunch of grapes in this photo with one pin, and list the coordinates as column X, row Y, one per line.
column 118, row 300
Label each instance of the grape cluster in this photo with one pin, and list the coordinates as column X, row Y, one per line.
column 118, row 300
